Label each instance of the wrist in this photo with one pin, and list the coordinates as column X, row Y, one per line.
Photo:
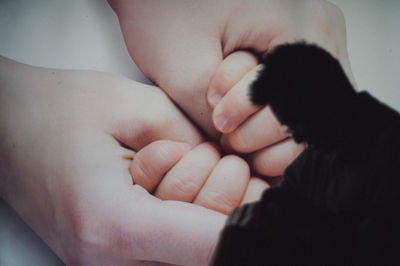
column 10, row 105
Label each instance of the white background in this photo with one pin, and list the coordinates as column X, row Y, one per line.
column 85, row 34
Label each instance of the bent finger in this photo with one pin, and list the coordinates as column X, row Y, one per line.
column 259, row 131
column 273, row 161
column 185, row 179
column 229, row 72
column 152, row 162
column 225, row 186
column 235, row 106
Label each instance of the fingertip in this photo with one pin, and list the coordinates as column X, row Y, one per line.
column 240, row 162
column 229, row 72
column 254, row 190
column 221, row 122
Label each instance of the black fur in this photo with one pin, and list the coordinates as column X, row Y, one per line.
column 307, row 91
column 339, row 199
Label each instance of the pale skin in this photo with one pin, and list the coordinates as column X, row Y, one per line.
column 172, row 171
column 68, row 137
column 192, row 50
column 70, row 125
column 244, row 125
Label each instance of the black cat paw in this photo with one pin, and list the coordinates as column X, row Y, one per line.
column 308, row 91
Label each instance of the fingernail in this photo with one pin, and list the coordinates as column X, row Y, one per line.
column 215, row 99
column 221, row 123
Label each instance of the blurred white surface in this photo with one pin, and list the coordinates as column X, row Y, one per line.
column 373, row 38
column 85, row 34
column 79, row 34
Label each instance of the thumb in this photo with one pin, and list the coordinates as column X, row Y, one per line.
column 169, row 231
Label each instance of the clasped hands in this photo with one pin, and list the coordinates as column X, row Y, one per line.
column 109, row 171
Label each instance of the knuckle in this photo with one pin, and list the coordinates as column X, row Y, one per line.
column 221, row 200
column 226, row 198
column 185, row 186
column 240, row 170
column 141, row 170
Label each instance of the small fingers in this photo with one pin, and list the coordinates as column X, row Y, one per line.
column 229, row 72
column 254, row 190
column 186, row 178
column 153, row 161
column 235, row 106
column 273, row 161
column 225, row 186
column 259, row 131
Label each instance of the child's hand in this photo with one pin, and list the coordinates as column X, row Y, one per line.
column 66, row 137
column 171, row 171
column 179, row 44
column 247, row 128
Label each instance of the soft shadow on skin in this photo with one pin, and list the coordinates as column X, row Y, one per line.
column 19, row 245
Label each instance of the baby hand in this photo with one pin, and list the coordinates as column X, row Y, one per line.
column 171, row 171
column 247, row 128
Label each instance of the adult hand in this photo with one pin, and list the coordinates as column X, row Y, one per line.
column 180, row 45
column 66, row 140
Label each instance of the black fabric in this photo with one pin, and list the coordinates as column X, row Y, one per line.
column 284, row 229
column 338, row 204
column 361, row 186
